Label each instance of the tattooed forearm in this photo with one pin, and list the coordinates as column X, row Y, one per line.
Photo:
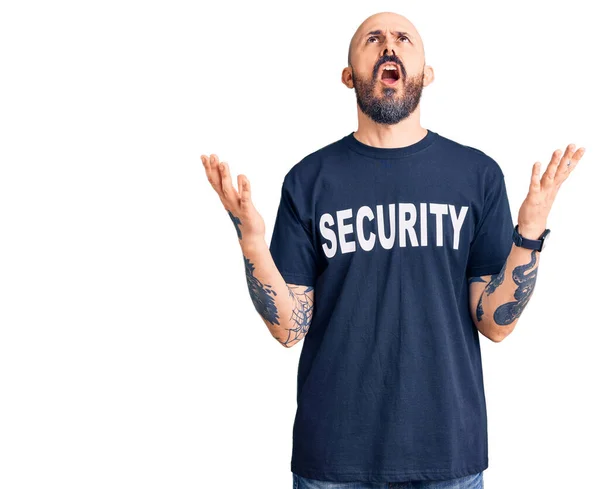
column 495, row 281
column 263, row 298
column 507, row 313
column 480, row 308
column 261, row 294
column 479, row 304
column 236, row 222
column 301, row 314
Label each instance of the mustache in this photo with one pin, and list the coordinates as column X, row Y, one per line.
column 389, row 59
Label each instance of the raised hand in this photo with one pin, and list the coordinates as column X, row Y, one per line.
column 534, row 211
column 248, row 223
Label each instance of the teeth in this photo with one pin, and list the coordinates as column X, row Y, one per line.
column 390, row 68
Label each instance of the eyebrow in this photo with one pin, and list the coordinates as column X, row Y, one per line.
column 378, row 33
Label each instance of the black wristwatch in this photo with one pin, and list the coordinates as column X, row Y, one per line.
column 530, row 244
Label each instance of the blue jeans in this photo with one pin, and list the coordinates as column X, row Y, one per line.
column 473, row 481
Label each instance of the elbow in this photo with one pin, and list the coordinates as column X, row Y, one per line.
column 496, row 332
column 286, row 342
column 496, row 338
column 504, row 330
column 499, row 333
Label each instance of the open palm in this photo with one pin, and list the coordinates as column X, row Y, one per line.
column 248, row 223
column 542, row 191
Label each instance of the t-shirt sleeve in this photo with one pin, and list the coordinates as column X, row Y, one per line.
column 291, row 245
column 492, row 240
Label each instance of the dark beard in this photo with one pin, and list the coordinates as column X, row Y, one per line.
column 388, row 109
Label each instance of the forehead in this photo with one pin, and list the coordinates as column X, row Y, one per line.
column 385, row 27
column 386, row 24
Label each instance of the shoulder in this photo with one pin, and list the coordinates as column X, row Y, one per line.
column 481, row 161
column 308, row 168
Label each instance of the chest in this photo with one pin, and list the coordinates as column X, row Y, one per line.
column 396, row 209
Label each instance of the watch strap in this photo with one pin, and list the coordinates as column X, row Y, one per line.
column 531, row 244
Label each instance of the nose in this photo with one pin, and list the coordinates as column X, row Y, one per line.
column 387, row 52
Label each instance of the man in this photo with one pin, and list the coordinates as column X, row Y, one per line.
column 392, row 248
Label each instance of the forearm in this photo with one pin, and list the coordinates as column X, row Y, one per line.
column 505, row 296
column 287, row 311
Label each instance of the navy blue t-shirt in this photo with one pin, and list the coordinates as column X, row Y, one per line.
column 390, row 384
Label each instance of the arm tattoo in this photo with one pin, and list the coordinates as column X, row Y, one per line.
column 476, row 279
column 261, row 295
column 507, row 313
column 236, row 222
column 264, row 302
column 301, row 313
column 489, row 288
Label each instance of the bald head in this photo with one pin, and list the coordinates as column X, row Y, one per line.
column 384, row 21
column 387, row 96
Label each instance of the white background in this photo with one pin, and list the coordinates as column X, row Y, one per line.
column 130, row 351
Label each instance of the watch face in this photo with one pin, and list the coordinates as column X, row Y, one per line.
column 516, row 237
column 544, row 238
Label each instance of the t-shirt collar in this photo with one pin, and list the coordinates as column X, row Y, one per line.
column 376, row 152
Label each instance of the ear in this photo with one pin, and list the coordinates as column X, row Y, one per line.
column 347, row 77
column 428, row 75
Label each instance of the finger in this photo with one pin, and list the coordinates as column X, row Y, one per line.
column 575, row 159
column 245, row 192
column 551, row 170
column 216, row 174
column 209, row 172
column 565, row 162
column 207, row 167
column 535, row 185
column 240, row 181
column 214, row 162
column 229, row 192
column 212, row 173
column 205, row 164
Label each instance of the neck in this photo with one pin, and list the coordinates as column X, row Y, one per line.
column 405, row 133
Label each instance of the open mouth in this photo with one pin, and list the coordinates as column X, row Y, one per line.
column 389, row 74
